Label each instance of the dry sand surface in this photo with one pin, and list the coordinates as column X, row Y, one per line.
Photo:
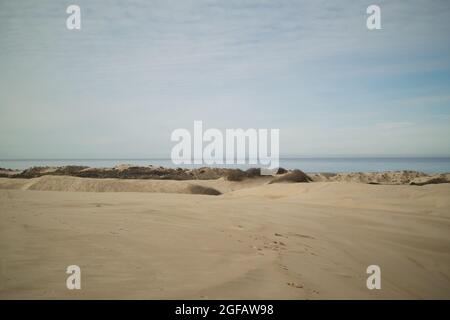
column 152, row 239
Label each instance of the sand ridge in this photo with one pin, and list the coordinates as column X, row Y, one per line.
column 206, row 173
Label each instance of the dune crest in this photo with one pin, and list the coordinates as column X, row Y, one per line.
column 208, row 173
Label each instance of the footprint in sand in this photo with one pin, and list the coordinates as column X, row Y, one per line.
column 294, row 285
column 303, row 236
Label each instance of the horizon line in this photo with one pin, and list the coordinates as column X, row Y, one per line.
column 281, row 157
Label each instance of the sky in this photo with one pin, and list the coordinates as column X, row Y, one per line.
column 138, row 70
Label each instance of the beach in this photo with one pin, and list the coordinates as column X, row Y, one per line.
column 156, row 239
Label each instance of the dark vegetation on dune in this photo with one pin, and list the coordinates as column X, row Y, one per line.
column 239, row 175
column 253, row 172
column 236, row 175
column 135, row 172
column 206, row 173
column 129, row 172
column 437, row 180
column 7, row 173
column 294, row 176
column 282, row 171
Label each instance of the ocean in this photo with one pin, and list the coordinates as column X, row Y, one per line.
column 307, row 164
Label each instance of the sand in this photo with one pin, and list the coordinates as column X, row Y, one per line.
column 150, row 239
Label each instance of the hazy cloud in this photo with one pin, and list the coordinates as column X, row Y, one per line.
column 137, row 71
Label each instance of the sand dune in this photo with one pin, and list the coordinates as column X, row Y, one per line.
column 67, row 183
column 50, row 179
column 205, row 173
column 256, row 240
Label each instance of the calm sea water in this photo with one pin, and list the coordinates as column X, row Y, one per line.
column 424, row 164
